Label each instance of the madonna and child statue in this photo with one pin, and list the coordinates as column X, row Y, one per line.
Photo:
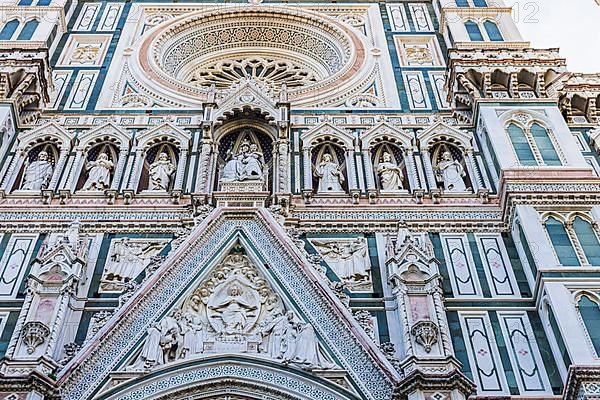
column 245, row 167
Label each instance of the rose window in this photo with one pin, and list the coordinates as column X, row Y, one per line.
column 315, row 57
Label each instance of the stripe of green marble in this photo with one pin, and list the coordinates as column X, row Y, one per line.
column 503, row 350
column 546, row 352
column 439, row 254
column 458, row 342
column 479, row 266
column 8, row 331
column 516, row 265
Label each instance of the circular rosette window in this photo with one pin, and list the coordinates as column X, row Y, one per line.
column 320, row 61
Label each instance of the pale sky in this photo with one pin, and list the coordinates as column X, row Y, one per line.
column 571, row 25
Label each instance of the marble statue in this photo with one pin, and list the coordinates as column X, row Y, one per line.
column 38, row 173
column 233, row 311
column 348, row 259
column 128, row 258
column 99, row 173
column 330, row 176
column 160, row 173
column 248, row 164
column 390, row 175
column 451, row 173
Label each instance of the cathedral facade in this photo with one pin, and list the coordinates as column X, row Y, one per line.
column 300, row 201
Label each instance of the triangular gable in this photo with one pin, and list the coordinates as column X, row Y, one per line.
column 366, row 366
column 50, row 131
column 440, row 129
column 247, row 95
column 166, row 131
column 104, row 131
column 383, row 132
column 328, row 132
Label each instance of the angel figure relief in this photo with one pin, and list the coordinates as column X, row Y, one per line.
column 127, row 259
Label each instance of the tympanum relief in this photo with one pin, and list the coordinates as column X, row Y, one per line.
column 349, row 259
column 233, row 311
column 127, row 258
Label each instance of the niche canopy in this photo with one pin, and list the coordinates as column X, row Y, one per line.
column 316, row 58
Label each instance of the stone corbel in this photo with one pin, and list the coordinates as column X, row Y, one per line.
column 34, row 335
column 425, row 333
column 128, row 195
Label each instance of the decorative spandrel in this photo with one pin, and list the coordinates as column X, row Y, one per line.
column 233, row 311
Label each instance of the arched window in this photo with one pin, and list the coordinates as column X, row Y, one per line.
column 474, row 31
column 493, row 31
column 545, row 145
column 588, row 240
column 562, row 243
column 9, row 29
column 480, row 3
column 590, row 314
column 521, row 145
column 462, row 3
column 28, row 30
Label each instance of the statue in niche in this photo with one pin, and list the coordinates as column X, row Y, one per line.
column 127, row 259
column 349, row 259
column 390, row 175
column 450, row 173
column 330, row 176
column 38, row 173
column 99, row 173
column 160, row 173
column 247, row 165
column 234, row 310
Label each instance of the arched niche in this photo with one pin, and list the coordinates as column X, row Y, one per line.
column 101, row 157
column 49, row 135
column 250, row 143
column 109, row 139
column 321, row 174
column 166, row 154
column 450, row 178
column 386, row 157
column 35, row 174
column 150, row 144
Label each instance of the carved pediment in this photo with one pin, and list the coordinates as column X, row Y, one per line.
column 246, row 95
column 236, row 303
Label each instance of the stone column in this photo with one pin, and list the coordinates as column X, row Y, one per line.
column 11, row 171
column 75, row 170
column 307, row 164
column 369, row 170
column 181, row 164
column 351, row 170
column 119, row 169
column 134, row 178
column 409, row 161
column 58, row 167
column 474, row 174
column 283, row 165
column 203, row 172
column 428, row 169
